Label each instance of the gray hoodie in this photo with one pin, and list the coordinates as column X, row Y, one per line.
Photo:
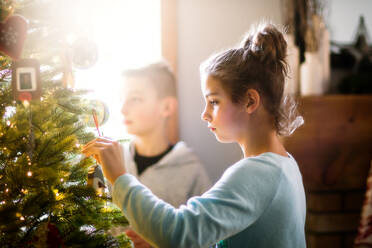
column 178, row 176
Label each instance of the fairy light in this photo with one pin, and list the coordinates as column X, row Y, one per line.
column 61, row 180
column 26, row 103
column 77, row 145
column 22, row 218
column 106, row 208
column 41, row 99
column 6, row 190
column 8, row 123
column 2, row 202
column 29, row 163
column 59, row 196
column 29, row 174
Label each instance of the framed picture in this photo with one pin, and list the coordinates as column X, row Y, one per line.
column 26, row 79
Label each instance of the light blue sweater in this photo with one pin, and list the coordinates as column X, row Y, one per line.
column 258, row 202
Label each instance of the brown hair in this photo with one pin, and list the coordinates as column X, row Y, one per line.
column 160, row 75
column 259, row 63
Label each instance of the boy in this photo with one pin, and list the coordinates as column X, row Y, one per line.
column 171, row 171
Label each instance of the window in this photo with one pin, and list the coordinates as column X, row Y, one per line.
column 127, row 34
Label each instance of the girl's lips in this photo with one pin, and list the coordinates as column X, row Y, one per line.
column 213, row 129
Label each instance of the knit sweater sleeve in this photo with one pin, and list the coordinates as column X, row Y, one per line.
column 234, row 203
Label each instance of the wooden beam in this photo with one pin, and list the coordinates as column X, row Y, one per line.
column 168, row 9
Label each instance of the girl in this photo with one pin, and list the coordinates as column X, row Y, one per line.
column 259, row 201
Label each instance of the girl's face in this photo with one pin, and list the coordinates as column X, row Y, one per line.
column 141, row 107
column 226, row 119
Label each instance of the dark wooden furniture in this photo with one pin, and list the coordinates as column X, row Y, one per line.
column 333, row 149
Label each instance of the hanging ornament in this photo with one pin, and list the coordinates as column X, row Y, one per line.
column 68, row 80
column 96, row 179
column 26, row 79
column 47, row 235
column 99, row 109
column 13, row 33
column 6, row 9
column 84, row 53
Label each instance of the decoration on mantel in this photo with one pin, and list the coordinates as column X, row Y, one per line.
column 356, row 60
column 311, row 39
column 315, row 70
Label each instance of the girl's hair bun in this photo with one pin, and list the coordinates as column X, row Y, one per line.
column 266, row 43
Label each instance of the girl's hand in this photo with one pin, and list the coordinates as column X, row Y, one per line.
column 138, row 242
column 109, row 154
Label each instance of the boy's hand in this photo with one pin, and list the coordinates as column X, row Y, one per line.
column 137, row 240
column 109, row 154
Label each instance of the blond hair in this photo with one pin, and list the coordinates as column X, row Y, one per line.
column 160, row 75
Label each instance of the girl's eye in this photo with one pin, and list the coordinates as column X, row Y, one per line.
column 213, row 102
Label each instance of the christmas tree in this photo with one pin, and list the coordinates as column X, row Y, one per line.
column 44, row 197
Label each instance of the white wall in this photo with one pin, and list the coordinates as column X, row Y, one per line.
column 204, row 27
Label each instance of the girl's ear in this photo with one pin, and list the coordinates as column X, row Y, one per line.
column 169, row 106
column 252, row 100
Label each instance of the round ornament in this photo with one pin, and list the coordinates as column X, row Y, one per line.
column 13, row 32
column 84, row 53
column 101, row 111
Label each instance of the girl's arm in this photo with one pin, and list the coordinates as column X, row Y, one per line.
column 233, row 204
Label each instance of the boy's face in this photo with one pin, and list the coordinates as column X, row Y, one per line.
column 141, row 107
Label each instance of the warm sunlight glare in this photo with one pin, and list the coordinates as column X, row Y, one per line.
column 127, row 35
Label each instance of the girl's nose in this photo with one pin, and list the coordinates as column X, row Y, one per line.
column 205, row 116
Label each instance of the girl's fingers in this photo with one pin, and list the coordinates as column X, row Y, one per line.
column 99, row 139
column 93, row 150
column 95, row 141
column 94, row 144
